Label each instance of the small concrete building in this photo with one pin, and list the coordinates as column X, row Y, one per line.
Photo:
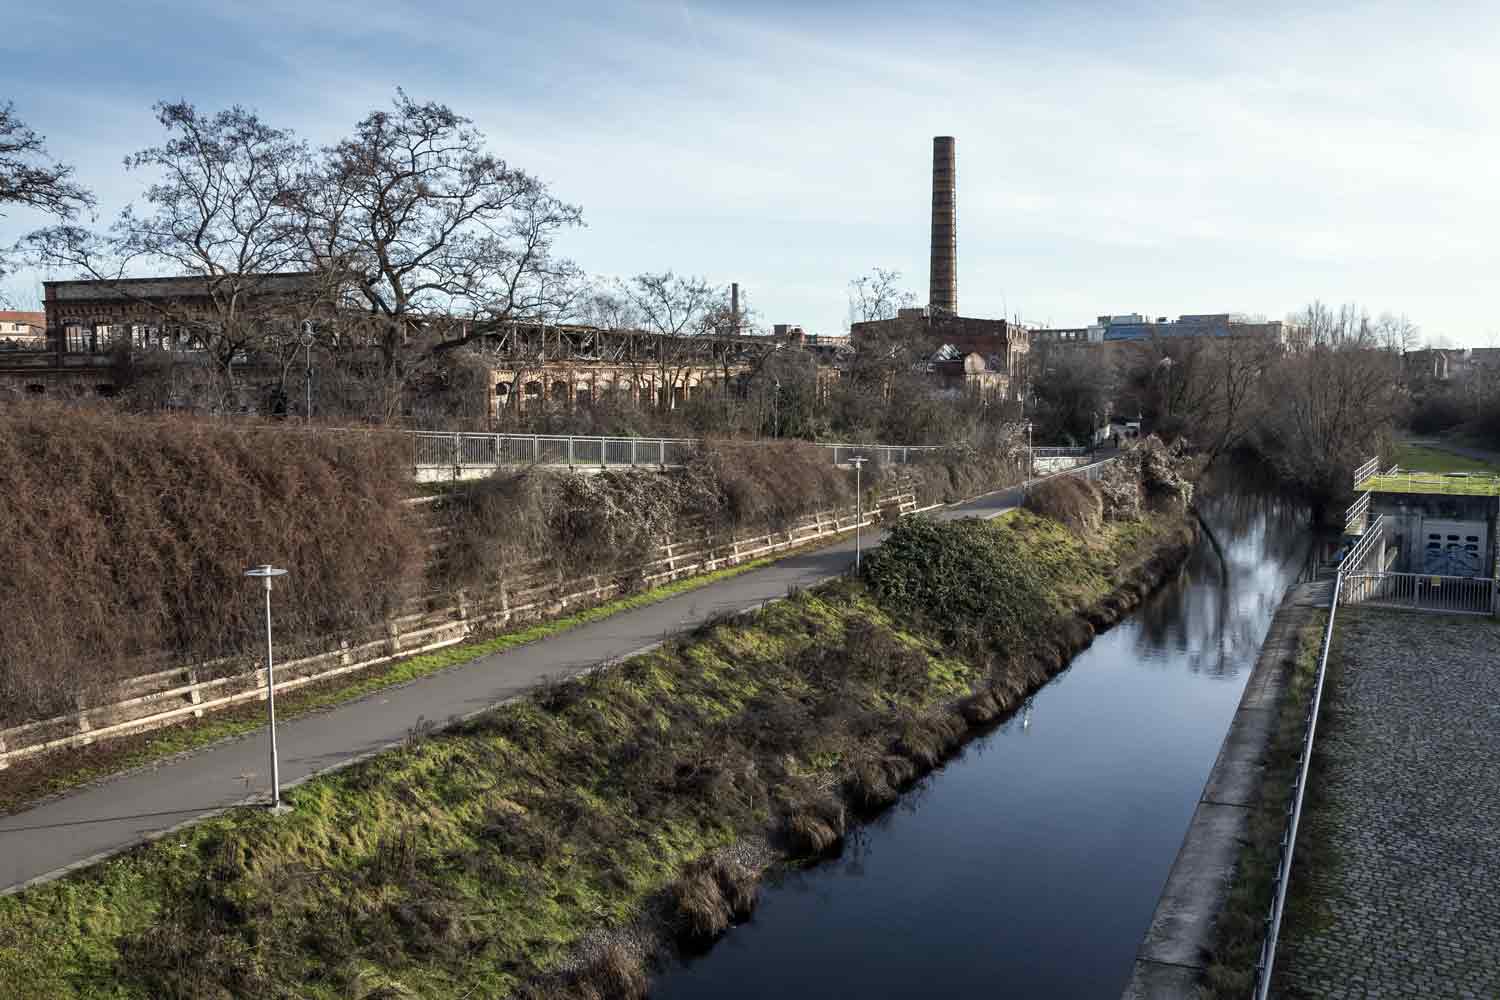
column 1437, row 524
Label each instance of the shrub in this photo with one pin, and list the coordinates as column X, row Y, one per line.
column 1068, row 500
column 126, row 540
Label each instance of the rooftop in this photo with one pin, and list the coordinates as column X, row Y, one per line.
column 1471, row 484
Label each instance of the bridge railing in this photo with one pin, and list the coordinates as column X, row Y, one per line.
column 447, row 450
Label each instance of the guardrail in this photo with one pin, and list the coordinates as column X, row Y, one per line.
column 452, row 454
column 464, row 450
column 1456, row 595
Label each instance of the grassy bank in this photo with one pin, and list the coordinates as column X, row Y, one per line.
column 1241, row 927
column 478, row 861
column 30, row 780
column 1423, row 459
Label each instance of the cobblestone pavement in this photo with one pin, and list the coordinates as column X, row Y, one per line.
column 1410, row 804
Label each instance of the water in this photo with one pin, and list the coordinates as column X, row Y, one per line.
column 1030, row 865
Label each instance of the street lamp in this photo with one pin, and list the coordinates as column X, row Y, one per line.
column 307, row 341
column 776, row 408
column 859, row 511
column 1030, row 462
column 268, row 573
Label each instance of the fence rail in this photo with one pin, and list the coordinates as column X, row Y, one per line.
column 1459, row 595
column 449, row 455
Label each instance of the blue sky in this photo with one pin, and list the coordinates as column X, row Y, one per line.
column 1111, row 158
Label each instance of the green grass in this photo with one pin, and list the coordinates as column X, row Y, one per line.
column 1418, row 458
column 1240, row 929
column 30, row 780
column 471, row 861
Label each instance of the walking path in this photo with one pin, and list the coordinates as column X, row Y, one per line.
column 1409, row 768
column 83, row 827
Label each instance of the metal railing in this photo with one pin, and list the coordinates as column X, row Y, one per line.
column 1456, row 595
column 1358, row 582
column 1366, row 471
column 1356, row 515
column 1266, row 964
column 461, row 450
column 1396, row 480
column 1056, row 452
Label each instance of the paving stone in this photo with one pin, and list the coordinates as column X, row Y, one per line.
column 1410, row 771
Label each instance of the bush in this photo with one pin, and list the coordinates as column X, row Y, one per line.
column 126, row 540
column 1068, row 500
column 613, row 521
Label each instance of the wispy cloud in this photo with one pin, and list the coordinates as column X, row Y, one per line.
column 1111, row 157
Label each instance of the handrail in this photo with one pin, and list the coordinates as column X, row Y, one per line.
column 1266, row 964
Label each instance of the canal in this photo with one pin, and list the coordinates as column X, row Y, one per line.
column 1030, row 865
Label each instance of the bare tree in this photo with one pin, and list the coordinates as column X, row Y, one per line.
column 29, row 177
column 439, row 241
column 221, row 208
column 878, row 295
column 676, row 310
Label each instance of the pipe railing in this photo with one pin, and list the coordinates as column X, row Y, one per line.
column 1457, row 595
column 457, row 449
column 1266, row 964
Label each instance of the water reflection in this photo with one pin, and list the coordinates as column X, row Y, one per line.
column 1030, row 865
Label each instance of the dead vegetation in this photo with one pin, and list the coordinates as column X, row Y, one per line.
column 1068, row 500
column 126, row 539
column 610, row 523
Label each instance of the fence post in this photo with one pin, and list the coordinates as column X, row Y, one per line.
column 570, row 451
column 536, row 449
column 195, row 697
column 633, row 442
column 661, row 444
column 498, row 450
column 458, row 456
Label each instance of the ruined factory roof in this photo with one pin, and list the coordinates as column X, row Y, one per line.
column 1444, row 483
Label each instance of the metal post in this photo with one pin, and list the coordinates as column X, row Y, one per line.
column 267, row 573
column 307, row 342
column 859, row 512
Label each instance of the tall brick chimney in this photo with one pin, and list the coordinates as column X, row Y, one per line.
column 942, row 294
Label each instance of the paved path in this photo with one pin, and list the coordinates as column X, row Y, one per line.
column 95, row 821
column 1410, row 776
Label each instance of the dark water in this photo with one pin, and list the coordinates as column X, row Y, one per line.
column 1030, row 865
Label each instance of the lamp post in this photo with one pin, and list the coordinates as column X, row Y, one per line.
column 859, row 508
column 1030, row 463
column 776, row 408
column 307, row 342
column 267, row 574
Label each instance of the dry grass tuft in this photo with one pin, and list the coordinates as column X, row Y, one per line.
column 814, row 829
column 1069, row 500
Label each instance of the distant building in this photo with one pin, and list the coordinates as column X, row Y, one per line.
column 22, row 330
column 988, row 355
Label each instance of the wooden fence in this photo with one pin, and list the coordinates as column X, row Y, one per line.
column 166, row 697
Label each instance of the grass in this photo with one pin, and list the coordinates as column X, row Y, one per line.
column 474, row 861
column 27, row 781
column 1240, row 929
column 1418, row 458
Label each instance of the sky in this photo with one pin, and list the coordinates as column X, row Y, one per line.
column 1112, row 158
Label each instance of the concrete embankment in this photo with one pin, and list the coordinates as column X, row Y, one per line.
column 1174, row 955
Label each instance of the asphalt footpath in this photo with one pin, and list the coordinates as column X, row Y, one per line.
column 85, row 826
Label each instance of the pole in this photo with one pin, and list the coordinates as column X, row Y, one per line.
column 859, row 506
column 307, row 389
column 271, row 705
column 267, row 574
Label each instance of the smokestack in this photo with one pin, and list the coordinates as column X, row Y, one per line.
column 734, row 305
column 942, row 293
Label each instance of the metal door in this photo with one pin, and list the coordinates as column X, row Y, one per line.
column 1454, row 548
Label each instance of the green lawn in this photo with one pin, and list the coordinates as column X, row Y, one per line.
column 1419, row 458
